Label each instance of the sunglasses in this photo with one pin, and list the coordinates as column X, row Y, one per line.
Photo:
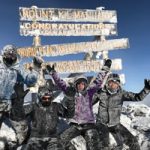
column 46, row 97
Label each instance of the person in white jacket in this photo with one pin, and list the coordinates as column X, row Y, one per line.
column 11, row 72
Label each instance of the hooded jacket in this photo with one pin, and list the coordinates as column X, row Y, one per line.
column 110, row 105
column 10, row 75
column 83, row 101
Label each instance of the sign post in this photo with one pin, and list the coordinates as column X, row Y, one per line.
column 72, row 22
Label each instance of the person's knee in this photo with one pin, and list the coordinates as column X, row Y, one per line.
column 134, row 146
column 92, row 139
column 69, row 146
column 91, row 133
column 33, row 144
column 2, row 145
column 54, row 144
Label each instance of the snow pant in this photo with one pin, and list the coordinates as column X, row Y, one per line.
column 12, row 133
column 19, row 129
column 88, row 131
column 43, row 144
column 8, row 140
column 121, row 135
column 4, row 108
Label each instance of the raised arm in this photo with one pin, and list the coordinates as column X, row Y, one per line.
column 96, row 97
column 67, row 107
column 28, row 77
column 130, row 96
column 59, row 82
column 66, row 110
column 101, row 78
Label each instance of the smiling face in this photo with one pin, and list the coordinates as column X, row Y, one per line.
column 81, row 86
column 113, row 85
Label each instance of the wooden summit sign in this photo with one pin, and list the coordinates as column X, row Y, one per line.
column 81, row 66
column 71, row 22
column 74, row 48
column 69, row 15
column 53, row 29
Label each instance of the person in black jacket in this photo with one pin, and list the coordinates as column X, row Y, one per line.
column 44, row 117
column 111, row 99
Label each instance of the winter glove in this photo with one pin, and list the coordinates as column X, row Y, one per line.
column 31, row 68
column 37, row 61
column 70, row 91
column 50, row 69
column 107, row 65
column 147, row 84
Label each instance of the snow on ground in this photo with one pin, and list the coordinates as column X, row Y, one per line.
column 135, row 117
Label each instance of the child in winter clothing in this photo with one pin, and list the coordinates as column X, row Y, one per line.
column 83, row 121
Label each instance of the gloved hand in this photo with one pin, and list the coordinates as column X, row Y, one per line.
column 37, row 61
column 107, row 65
column 70, row 90
column 31, row 68
column 50, row 69
column 147, row 84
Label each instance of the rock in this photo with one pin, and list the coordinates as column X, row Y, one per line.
column 7, row 134
column 79, row 143
column 135, row 117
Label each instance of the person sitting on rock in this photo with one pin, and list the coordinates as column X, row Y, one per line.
column 44, row 116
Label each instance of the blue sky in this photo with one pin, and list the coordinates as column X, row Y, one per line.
column 133, row 23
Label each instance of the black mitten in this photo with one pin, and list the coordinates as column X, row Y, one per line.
column 50, row 69
column 147, row 84
column 107, row 65
column 37, row 61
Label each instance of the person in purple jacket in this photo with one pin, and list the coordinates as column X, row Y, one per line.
column 83, row 121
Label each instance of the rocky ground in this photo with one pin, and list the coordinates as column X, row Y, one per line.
column 135, row 117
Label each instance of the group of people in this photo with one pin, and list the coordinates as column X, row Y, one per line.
column 36, row 124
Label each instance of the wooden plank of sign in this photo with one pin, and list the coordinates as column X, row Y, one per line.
column 69, row 15
column 74, row 48
column 55, row 29
column 81, row 65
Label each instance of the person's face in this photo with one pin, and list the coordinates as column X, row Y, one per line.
column 10, row 58
column 113, row 85
column 80, row 86
column 46, row 100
